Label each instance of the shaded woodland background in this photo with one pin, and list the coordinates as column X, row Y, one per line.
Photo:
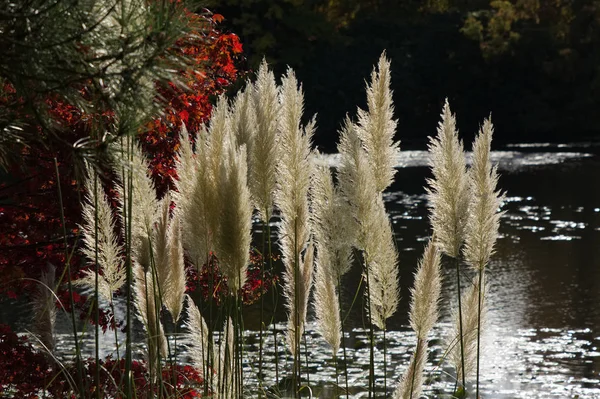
column 534, row 64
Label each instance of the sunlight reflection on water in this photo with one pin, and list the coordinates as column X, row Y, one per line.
column 543, row 335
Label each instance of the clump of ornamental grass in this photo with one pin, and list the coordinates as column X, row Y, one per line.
column 448, row 197
column 256, row 153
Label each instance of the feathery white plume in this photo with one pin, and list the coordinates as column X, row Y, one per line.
column 160, row 243
column 244, row 117
column 197, row 339
column 262, row 154
column 44, row 308
column 356, row 181
column 423, row 315
column 148, row 306
column 201, row 224
column 334, row 254
column 186, row 167
column 332, row 224
column 174, row 291
column 236, row 219
column 109, row 252
column 381, row 258
column 448, row 189
column 293, row 183
column 220, row 137
column 327, row 308
column 198, row 223
column 374, row 232
column 376, row 127
column 144, row 205
column 484, row 217
column 426, row 292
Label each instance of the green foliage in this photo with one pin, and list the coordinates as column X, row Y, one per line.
column 103, row 58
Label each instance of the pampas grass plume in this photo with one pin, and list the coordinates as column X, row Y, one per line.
column 262, row 154
column 423, row 315
column 174, row 292
column 294, row 175
column 334, row 254
column 244, row 117
column 482, row 225
column 376, row 127
column 236, row 219
column 109, row 251
column 197, row 339
column 186, row 167
column 448, row 190
column 426, row 292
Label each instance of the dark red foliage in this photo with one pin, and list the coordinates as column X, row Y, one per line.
column 23, row 371
column 213, row 70
column 213, row 283
column 30, row 215
column 27, row 373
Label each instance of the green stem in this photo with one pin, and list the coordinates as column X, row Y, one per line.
column 69, row 282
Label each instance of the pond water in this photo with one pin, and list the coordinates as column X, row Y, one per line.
column 543, row 334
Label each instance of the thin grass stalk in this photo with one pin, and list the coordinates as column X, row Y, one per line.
column 478, row 328
column 112, row 309
column 306, row 357
column 158, row 301
column 96, row 290
column 460, row 322
column 274, row 297
column 239, row 347
column 342, row 319
column 69, row 282
column 371, row 333
column 414, row 368
column 262, row 307
column 127, row 206
column 151, row 359
column 211, row 280
column 384, row 362
column 296, row 315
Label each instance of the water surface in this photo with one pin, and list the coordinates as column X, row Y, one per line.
column 543, row 333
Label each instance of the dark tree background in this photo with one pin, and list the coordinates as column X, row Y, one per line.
column 534, row 64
